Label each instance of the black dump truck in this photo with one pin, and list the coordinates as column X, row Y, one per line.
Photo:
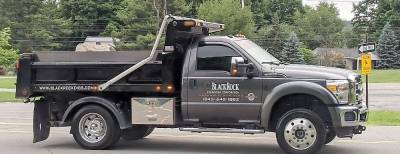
column 198, row 83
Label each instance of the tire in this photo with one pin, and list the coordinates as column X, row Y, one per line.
column 149, row 132
column 330, row 135
column 95, row 128
column 300, row 131
column 137, row 132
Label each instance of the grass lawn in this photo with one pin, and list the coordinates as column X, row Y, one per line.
column 8, row 97
column 384, row 118
column 383, row 76
column 7, row 83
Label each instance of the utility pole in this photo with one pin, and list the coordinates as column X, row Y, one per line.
column 242, row 1
column 366, row 41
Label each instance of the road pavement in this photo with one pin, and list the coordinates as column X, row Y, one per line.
column 7, row 90
column 16, row 137
column 384, row 96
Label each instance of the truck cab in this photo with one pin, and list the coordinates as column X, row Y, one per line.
column 197, row 83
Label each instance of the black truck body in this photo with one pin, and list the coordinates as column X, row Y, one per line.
column 198, row 83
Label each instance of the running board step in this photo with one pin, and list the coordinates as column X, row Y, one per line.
column 224, row 130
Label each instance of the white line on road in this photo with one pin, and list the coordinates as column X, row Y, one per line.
column 8, row 77
column 28, row 132
column 266, row 138
column 19, row 124
column 14, row 118
column 7, row 90
column 367, row 142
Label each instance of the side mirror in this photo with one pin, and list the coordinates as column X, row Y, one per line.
column 240, row 68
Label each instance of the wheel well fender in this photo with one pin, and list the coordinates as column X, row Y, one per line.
column 290, row 88
column 95, row 100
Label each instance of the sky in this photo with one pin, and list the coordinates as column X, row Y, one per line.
column 345, row 6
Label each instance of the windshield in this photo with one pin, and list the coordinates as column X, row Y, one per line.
column 258, row 53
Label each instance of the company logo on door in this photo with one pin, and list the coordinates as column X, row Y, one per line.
column 221, row 92
column 225, row 86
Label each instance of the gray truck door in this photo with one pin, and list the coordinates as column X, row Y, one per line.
column 214, row 96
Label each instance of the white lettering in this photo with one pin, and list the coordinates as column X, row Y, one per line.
column 225, row 86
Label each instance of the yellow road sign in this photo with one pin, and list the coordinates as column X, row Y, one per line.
column 366, row 63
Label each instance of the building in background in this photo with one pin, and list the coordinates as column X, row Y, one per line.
column 342, row 57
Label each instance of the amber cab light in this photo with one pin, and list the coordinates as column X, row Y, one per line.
column 189, row 23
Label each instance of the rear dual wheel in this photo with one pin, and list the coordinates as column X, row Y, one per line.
column 95, row 128
column 301, row 131
column 137, row 132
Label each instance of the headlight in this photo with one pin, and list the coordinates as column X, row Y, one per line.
column 340, row 88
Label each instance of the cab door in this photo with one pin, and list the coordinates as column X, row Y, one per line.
column 214, row 95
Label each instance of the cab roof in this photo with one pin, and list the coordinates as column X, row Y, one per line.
column 219, row 38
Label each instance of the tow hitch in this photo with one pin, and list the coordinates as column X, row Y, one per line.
column 359, row 129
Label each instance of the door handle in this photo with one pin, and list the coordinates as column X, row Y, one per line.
column 193, row 83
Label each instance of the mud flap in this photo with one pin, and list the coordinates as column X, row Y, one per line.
column 41, row 127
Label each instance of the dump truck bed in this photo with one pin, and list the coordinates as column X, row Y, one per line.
column 84, row 71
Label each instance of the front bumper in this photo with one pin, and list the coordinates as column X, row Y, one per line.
column 348, row 120
column 349, row 116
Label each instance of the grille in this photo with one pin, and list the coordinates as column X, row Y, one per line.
column 358, row 90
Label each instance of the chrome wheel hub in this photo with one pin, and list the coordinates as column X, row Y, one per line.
column 300, row 133
column 92, row 127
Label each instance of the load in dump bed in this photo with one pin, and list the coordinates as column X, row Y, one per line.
column 127, row 71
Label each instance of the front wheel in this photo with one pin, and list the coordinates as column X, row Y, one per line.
column 95, row 128
column 300, row 131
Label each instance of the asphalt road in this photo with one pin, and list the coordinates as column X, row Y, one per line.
column 16, row 137
column 384, row 96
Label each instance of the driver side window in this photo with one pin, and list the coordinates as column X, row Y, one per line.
column 215, row 57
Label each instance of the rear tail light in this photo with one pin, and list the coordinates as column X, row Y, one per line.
column 17, row 65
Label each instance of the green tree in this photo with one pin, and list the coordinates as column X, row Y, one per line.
column 236, row 19
column 89, row 17
column 179, row 7
column 18, row 15
column 138, row 21
column 387, row 11
column 194, row 4
column 258, row 8
column 35, row 24
column 50, row 30
column 348, row 38
column 264, row 11
column 372, row 15
column 291, row 50
column 276, row 19
column 284, row 9
column 272, row 37
column 364, row 16
column 320, row 26
column 309, row 56
column 387, row 45
column 8, row 55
